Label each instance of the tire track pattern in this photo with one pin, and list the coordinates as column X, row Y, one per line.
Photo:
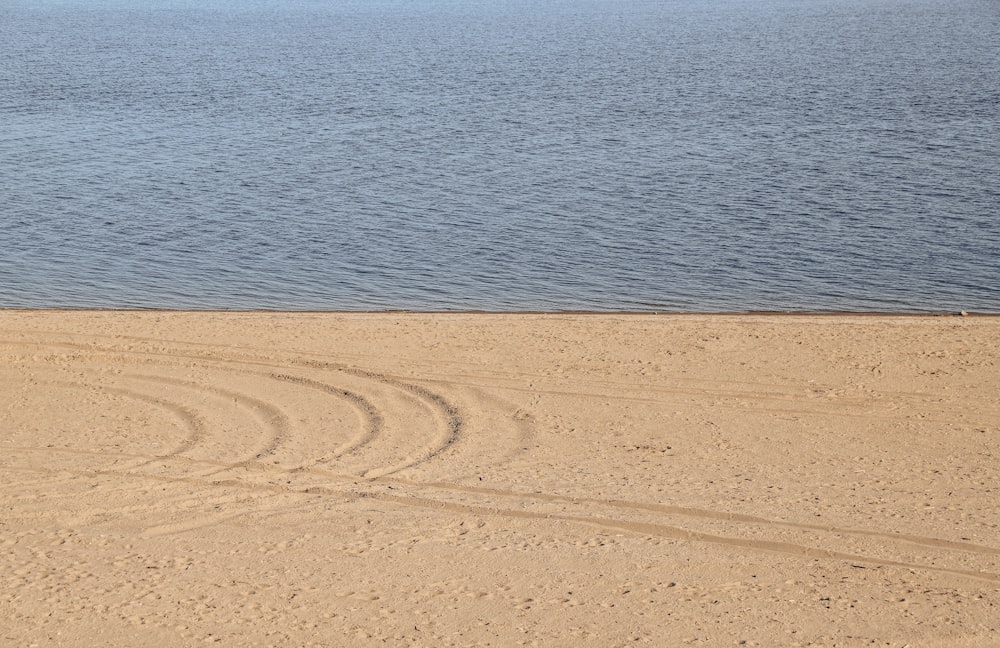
column 373, row 421
column 426, row 440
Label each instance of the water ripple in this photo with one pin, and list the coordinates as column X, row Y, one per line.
column 436, row 154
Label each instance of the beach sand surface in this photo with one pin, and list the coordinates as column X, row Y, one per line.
column 307, row 479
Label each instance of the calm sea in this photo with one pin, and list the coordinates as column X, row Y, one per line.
column 501, row 154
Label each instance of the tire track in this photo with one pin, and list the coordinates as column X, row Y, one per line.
column 703, row 514
column 453, row 418
column 449, row 434
column 372, row 423
column 679, row 533
column 751, row 402
column 272, row 418
column 454, row 431
column 453, row 428
column 666, row 509
column 198, row 430
column 641, row 528
column 195, row 425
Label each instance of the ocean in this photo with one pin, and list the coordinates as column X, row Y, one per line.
column 638, row 155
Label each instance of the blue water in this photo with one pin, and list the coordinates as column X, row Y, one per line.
column 708, row 155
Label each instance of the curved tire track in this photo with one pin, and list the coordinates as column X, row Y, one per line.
column 451, row 430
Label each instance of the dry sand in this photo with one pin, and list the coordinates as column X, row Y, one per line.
column 175, row 479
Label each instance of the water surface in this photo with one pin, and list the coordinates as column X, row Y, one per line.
column 470, row 154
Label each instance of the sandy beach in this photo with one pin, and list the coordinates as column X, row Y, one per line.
column 278, row 479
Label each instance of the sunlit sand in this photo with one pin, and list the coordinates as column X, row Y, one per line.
column 471, row 479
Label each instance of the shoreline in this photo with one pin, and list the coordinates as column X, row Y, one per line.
column 755, row 313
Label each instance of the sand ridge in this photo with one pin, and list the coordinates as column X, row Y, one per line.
column 491, row 479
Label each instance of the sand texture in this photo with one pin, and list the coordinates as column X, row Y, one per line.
column 176, row 479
